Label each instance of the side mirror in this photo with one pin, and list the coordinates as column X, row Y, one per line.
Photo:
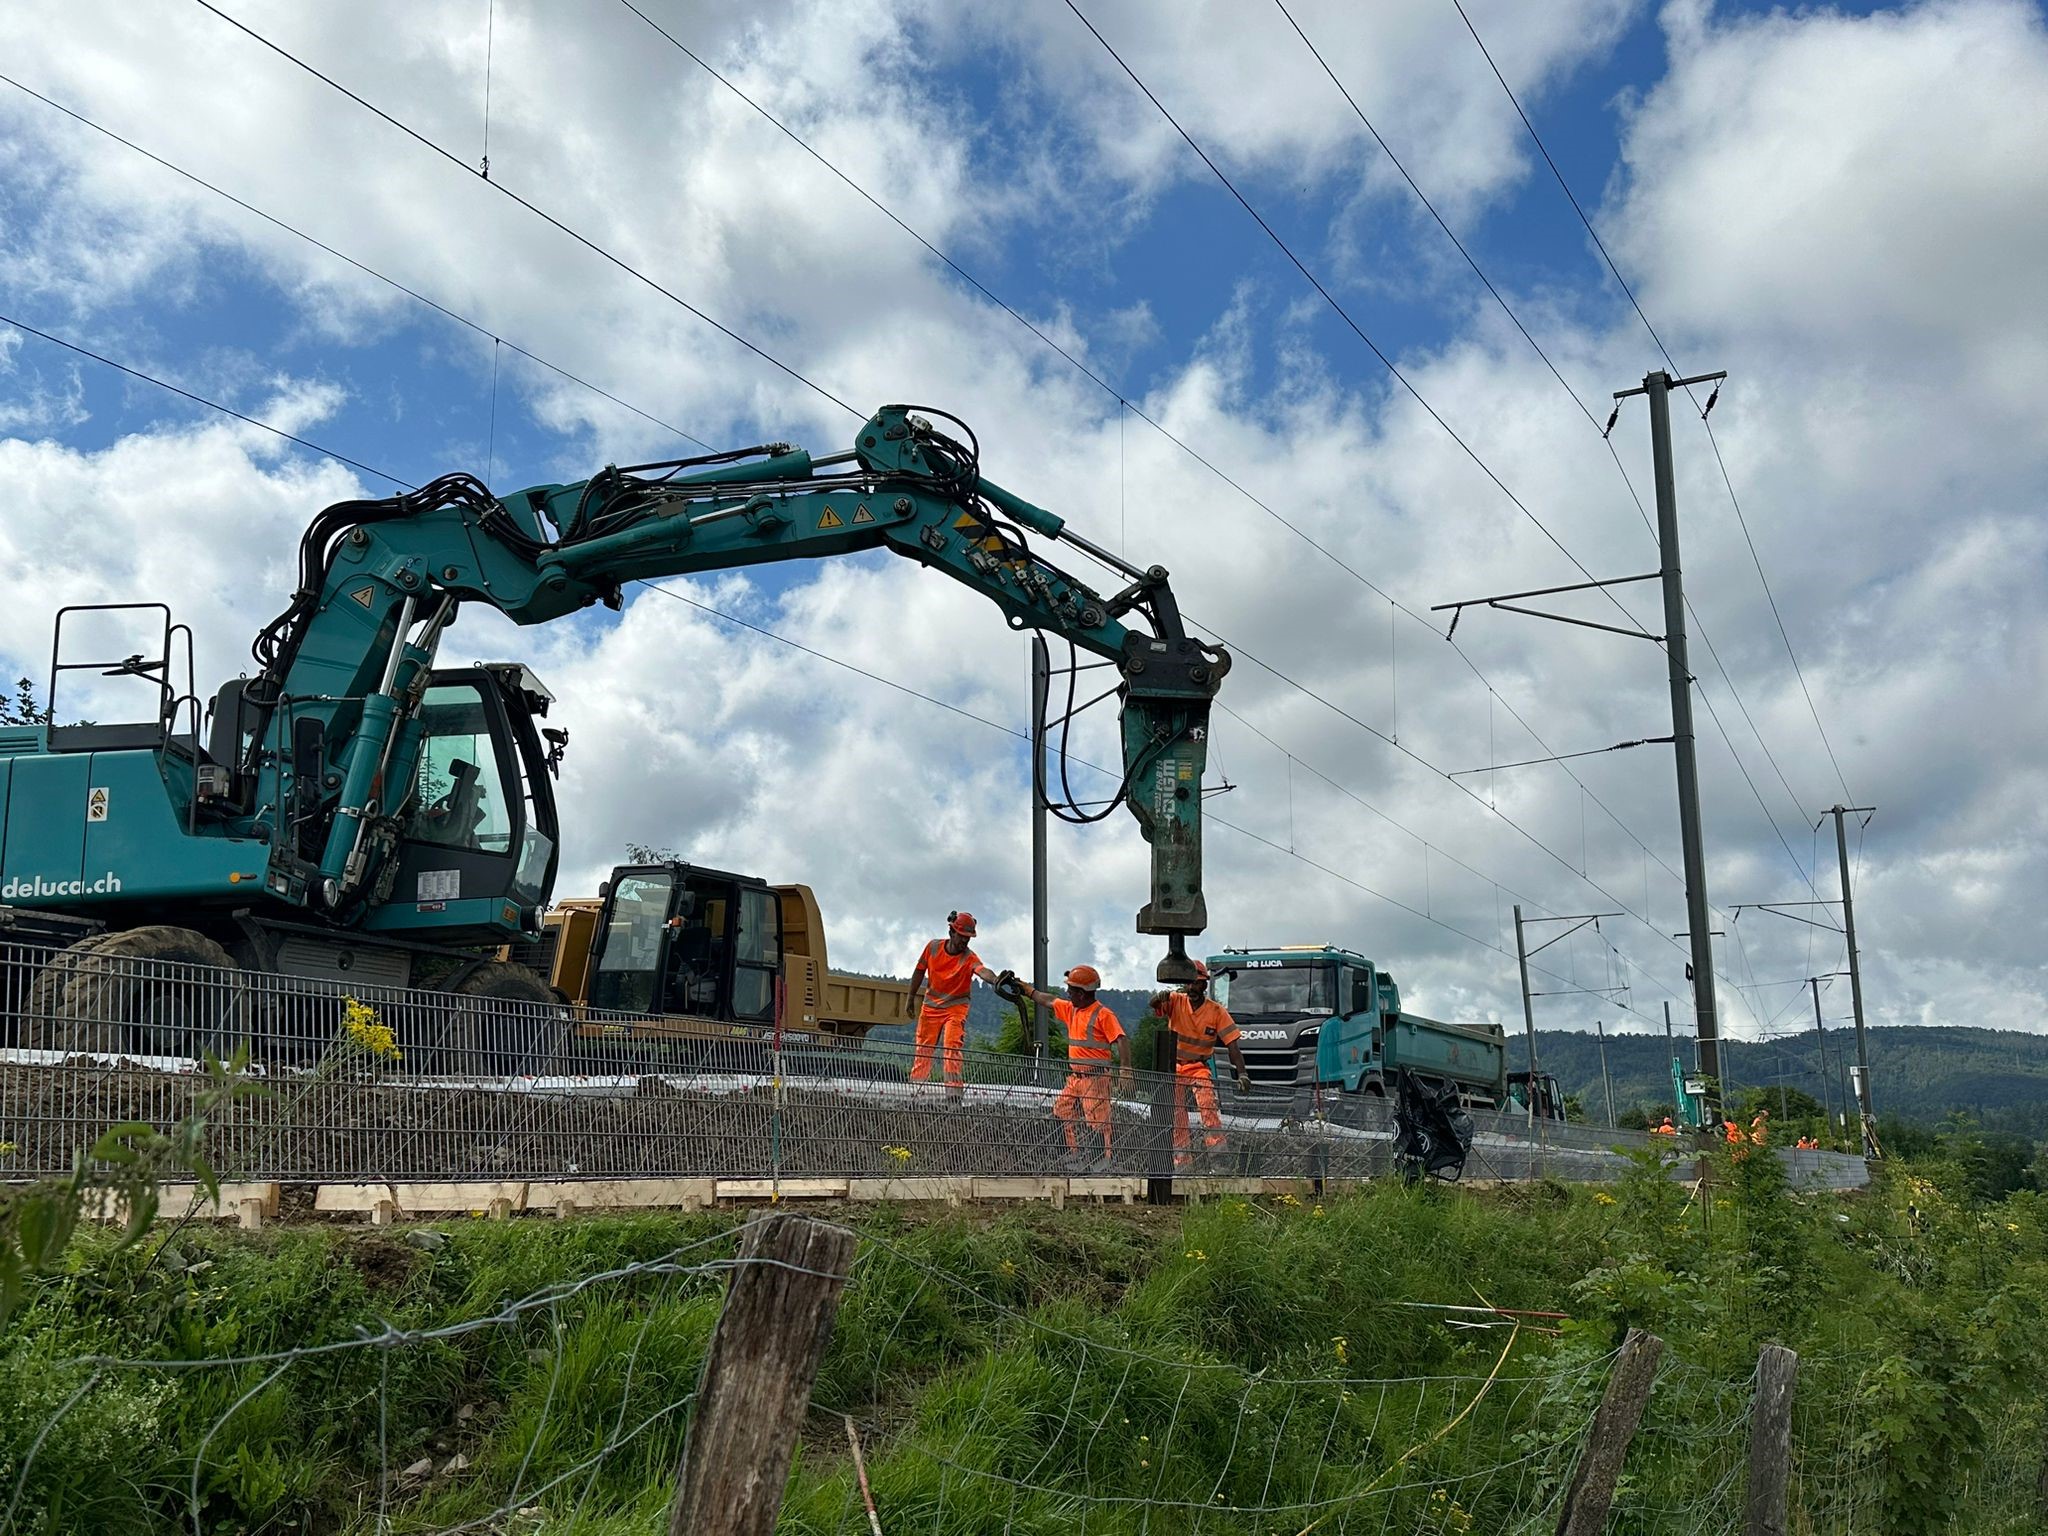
column 604, row 890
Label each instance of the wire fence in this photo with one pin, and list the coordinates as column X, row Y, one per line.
column 363, row 1082
column 940, row 1406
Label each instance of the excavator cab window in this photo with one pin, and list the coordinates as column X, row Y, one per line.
column 757, row 955
column 631, row 942
column 459, row 800
column 476, row 825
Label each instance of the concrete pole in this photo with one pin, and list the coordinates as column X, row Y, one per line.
column 1657, row 386
column 1863, row 1101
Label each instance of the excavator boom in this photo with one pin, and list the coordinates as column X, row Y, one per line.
column 326, row 764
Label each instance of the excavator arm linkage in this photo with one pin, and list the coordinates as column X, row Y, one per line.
column 380, row 587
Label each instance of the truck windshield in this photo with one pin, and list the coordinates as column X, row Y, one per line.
column 1281, row 989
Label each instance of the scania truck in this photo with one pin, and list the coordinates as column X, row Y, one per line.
column 1316, row 1016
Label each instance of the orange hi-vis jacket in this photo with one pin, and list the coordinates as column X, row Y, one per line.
column 951, row 976
column 1197, row 1031
column 1091, row 1031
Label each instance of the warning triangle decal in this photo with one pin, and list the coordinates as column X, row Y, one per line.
column 831, row 519
column 863, row 515
column 362, row 597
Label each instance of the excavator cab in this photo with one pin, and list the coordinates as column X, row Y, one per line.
column 480, row 840
column 677, row 940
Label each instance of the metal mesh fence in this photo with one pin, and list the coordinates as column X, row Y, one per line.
column 363, row 1081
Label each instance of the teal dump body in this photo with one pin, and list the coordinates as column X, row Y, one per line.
column 1472, row 1055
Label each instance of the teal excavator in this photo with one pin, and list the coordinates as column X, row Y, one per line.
column 350, row 809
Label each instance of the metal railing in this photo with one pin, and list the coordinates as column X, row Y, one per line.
column 365, row 1082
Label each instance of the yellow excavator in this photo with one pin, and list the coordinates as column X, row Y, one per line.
column 675, row 951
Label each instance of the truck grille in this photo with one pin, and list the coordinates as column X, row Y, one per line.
column 1273, row 1065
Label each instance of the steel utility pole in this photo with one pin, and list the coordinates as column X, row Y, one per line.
column 1658, row 387
column 1577, row 920
column 1606, row 1082
column 1670, row 573
column 1041, row 683
column 1820, row 1032
column 1528, row 1010
column 1863, row 1103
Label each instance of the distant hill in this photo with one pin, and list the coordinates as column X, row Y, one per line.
column 1919, row 1072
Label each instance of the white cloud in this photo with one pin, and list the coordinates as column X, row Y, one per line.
column 1873, row 428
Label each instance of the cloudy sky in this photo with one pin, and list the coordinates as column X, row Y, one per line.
column 1844, row 207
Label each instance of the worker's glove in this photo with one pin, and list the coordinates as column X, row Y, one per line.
column 1244, row 1082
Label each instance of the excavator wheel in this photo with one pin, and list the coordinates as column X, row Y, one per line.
column 43, row 1025
column 479, row 1037
column 131, row 994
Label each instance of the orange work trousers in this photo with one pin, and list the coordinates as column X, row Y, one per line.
column 1086, row 1096
column 933, row 1025
column 1194, row 1082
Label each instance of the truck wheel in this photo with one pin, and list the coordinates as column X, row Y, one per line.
column 137, row 993
column 507, row 1021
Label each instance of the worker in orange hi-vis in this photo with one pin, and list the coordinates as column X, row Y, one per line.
column 1092, row 1032
column 939, row 988
column 1199, row 1024
column 1667, row 1128
column 1760, row 1127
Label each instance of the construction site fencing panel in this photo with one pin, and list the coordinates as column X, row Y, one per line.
column 365, row 1082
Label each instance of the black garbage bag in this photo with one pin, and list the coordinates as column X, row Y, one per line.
column 1432, row 1132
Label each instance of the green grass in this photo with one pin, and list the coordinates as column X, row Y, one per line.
column 1039, row 1371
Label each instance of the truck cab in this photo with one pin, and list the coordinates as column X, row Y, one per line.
column 1282, row 999
column 1318, row 1016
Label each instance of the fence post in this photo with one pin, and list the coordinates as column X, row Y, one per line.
column 1770, row 1442
column 1165, row 1093
column 756, row 1382
column 1591, row 1493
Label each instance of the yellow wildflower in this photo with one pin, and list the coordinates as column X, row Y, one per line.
column 369, row 1033
column 8, row 1149
column 901, row 1154
column 1601, row 1197
column 1197, row 1255
column 1317, row 1213
column 1342, row 1348
column 1007, row 1268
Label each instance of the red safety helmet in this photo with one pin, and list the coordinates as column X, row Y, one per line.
column 1201, row 971
column 1086, row 977
column 961, row 922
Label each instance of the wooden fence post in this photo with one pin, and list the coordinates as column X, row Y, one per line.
column 756, row 1382
column 1591, row 1494
column 1770, row 1442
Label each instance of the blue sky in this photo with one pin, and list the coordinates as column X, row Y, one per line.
column 1707, row 141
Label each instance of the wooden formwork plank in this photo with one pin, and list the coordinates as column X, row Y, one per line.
column 784, row 1189
column 248, row 1203
column 626, row 1194
column 1017, row 1187
column 952, row 1190
column 480, row 1197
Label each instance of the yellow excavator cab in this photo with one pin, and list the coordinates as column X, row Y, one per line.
column 685, row 952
